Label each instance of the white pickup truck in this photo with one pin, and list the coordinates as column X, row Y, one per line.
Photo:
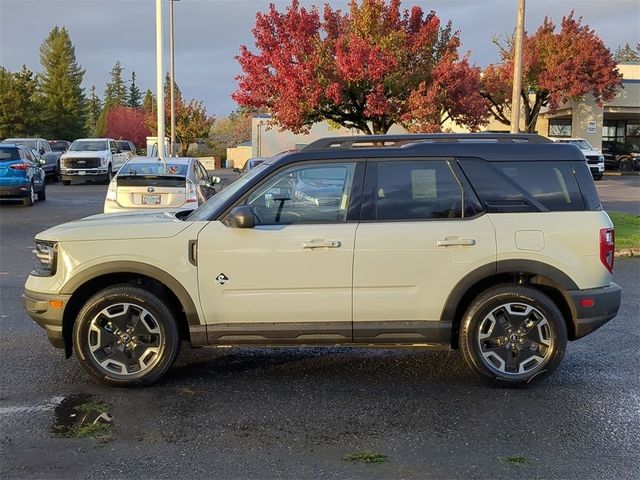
column 92, row 159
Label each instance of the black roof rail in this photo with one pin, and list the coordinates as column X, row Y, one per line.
column 377, row 141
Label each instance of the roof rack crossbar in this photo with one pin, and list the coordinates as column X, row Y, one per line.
column 377, row 141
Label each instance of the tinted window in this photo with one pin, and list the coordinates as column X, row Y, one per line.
column 304, row 194
column 8, row 153
column 414, row 190
column 524, row 186
column 154, row 169
column 125, row 146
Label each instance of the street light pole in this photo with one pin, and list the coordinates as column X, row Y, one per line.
column 172, row 72
column 159, row 86
column 517, row 69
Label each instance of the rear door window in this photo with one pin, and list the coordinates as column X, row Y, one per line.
column 412, row 190
column 524, row 186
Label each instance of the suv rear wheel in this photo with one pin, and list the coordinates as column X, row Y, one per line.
column 513, row 335
column 126, row 336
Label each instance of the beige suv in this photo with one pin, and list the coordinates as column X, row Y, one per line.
column 494, row 244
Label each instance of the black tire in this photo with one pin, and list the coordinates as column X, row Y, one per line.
column 597, row 178
column 42, row 194
column 56, row 173
column 123, row 302
column 66, row 182
column 625, row 164
column 514, row 300
column 109, row 175
column 29, row 200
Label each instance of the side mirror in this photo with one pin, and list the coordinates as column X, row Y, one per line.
column 42, row 151
column 242, row 217
column 214, row 180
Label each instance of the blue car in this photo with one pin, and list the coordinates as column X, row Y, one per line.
column 20, row 176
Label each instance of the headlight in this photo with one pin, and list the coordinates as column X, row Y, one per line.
column 44, row 259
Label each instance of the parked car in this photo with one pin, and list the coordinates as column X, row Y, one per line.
column 595, row 159
column 146, row 183
column 94, row 159
column 59, row 146
column 45, row 157
column 620, row 156
column 128, row 148
column 492, row 243
column 20, row 176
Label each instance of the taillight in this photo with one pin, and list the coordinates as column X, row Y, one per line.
column 19, row 166
column 192, row 194
column 607, row 247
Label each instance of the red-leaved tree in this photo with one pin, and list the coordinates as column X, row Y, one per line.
column 558, row 66
column 368, row 68
column 127, row 123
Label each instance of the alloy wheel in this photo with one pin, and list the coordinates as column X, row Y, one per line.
column 515, row 338
column 125, row 339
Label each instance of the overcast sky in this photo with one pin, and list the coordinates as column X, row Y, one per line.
column 210, row 32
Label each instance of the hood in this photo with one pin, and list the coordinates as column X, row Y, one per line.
column 590, row 152
column 85, row 154
column 116, row 226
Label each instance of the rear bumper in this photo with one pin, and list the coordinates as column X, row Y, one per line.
column 40, row 310
column 14, row 191
column 606, row 303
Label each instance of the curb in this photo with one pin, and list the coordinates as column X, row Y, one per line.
column 627, row 253
column 621, row 174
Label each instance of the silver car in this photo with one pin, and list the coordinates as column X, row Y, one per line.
column 146, row 183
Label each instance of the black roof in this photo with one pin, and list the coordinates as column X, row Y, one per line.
column 491, row 147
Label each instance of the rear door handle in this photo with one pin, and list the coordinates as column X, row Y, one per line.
column 453, row 242
column 311, row 244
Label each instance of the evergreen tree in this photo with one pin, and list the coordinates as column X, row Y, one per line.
column 20, row 108
column 94, row 109
column 61, row 87
column 627, row 53
column 115, row 92
column 149, row 101
column 135, row 96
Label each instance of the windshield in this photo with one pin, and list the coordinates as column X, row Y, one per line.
column 17, row 141
column 89, row 146
column 206, row 209
column 172, row 169
column 582, row 144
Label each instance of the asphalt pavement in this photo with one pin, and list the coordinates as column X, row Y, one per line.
column 620, row 193
column 299, row 413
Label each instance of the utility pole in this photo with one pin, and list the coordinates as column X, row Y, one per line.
column 517, row 69
column 172, row 73
column 159, row 83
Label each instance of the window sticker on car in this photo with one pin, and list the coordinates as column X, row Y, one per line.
column 423, row 183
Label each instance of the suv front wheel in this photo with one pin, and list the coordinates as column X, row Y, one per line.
column 513, row 335
column 126, row 336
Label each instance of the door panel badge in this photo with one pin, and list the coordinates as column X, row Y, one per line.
column 222, row 279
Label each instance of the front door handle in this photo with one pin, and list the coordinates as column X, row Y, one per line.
column 322, row 244
column 455, row 241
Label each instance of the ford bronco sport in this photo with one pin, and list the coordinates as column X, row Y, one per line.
column 494, row 244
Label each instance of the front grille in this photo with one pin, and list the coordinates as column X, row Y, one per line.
column 593, row 159
column 82, row 162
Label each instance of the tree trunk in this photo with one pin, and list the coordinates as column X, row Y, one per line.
column 381, row 126
column 184, row 148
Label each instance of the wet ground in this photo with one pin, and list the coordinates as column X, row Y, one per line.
column 299, row 413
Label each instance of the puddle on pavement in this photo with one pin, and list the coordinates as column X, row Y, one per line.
column 81, row 416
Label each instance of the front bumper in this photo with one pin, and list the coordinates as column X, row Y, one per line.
column 606, row 303
column 40, row 309
column 78, row 173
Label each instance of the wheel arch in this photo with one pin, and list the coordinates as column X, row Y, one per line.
column 544, row 277
column 85, row 284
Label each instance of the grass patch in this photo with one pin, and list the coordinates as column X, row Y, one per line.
column 97, row 407
column 99, row 431
column 515, row 460
column 366, row 457
column 627, row 229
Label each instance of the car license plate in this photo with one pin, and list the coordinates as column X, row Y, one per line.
column 151, row 199
column 82, row 172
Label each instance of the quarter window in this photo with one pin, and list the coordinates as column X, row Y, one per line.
column 414, row 190
column 304, row 194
